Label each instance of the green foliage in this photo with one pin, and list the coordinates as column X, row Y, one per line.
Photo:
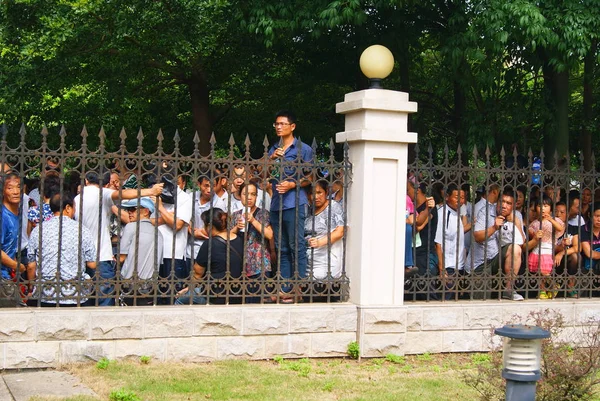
column 145, row 359
column 123, row 395
column 398, row 359
column 480, row 359
column 353, row 350
column 484, row 72
column 302, row 366
column 426, row 357
column 103, row 363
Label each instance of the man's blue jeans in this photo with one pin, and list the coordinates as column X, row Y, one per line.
column 292, row 245
column 106, row 271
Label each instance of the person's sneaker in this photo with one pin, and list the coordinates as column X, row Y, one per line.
column 513, row 296
column 543, row 295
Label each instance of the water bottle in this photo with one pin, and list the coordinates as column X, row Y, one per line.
column 536, row 179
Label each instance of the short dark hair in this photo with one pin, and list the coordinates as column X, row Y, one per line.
column 290, row 115
column 509, row 191
column 51, row 186
column 323, row 184
column 10, row 175
column 451, row 188
column 98, row 178
column 203, row 178
column 58, row 203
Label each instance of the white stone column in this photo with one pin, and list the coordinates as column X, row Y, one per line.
column 376, row 130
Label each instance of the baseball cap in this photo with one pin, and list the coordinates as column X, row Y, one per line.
column 143, row 202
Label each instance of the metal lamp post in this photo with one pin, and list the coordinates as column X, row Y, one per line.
column 376, row 62
column 521, row 359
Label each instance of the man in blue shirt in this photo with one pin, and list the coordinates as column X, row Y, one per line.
column 289, row 158
column 11, row 228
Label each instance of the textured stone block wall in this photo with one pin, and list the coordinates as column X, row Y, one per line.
column 455, row 327
column 38, row 338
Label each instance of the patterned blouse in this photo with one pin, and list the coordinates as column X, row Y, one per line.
column 258, row 258
column 62, row 263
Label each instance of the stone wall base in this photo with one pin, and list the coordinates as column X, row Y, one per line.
column 41, row 338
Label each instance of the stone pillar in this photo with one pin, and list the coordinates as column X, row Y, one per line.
column 376, row 130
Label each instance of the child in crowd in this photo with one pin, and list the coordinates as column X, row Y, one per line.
column 541, row 244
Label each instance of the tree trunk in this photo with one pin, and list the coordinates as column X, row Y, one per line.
column 199, row 97
column 556, row 135
column 588, row 104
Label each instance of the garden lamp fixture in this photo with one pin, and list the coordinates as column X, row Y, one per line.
column 521, row 359
column 376, row 62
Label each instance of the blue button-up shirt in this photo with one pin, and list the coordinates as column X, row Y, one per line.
column 287, row 171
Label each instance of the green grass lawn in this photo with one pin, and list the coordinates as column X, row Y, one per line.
column 422, row 377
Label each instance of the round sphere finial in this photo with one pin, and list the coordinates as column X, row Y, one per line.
column 376, row 62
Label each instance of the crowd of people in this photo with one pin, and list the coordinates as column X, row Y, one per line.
column 233, row 234
column 513, row 242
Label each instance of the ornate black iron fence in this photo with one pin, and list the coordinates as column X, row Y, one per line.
column 502, row 226
column 106, row 226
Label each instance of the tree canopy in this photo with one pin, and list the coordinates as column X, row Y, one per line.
column 484, row 72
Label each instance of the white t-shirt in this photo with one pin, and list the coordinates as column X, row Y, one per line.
column 508, row 232
column 577, row 221
column 198, row 223
column 236, row 204
column 223, row 199
column 184, row 212
column 91, row 201
column 450, row 235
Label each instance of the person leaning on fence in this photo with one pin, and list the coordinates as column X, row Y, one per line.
column 288, row 206
column 426, row 224
column 11, row 226
column 541, row 244
column 143, row 260
column 590, row 242
column 569, row 245
column 93, row 209
column 202, row 201
column 5, row 168
column 450, row 243
column 499, row 238
column 212, row 260
column 173, row 222
column 59, row 263
column 253, row 223
column 324, row 230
